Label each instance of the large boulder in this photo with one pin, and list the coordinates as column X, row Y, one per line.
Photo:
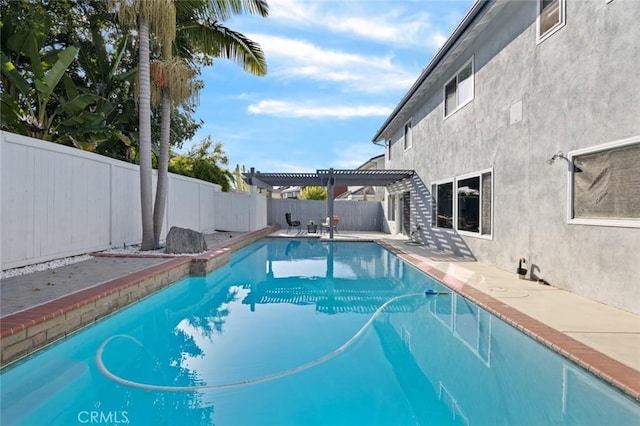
column 182, row 240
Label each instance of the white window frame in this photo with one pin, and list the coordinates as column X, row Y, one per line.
column 459, row 105
column 455, row 204
column 622, row 223
column 542, row 37
column 408, row 130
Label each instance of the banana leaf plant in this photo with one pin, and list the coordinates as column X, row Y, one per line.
column 28, row 95
column 109, row 126
column 41, row 99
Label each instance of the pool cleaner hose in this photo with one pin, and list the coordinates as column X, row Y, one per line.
column 146, row 386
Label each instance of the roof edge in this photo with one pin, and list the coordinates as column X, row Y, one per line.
column 464, row 24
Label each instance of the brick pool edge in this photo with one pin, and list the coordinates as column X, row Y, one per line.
column 25, row 332
column 617, row 374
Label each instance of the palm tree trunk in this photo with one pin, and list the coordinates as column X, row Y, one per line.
column 163, row 166
column 144, row 111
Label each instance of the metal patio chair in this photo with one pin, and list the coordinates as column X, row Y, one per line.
column 292, row 223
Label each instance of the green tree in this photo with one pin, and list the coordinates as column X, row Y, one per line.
column 204, row 161
column 104, row 68
column 30, row 75
column 175, row 80
column 157, row 18
column 105, row 65
column 238, row 181
column 82, row 108
column 313, row 193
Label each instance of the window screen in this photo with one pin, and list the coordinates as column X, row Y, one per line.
column 486, row 204
column 459, row 90
column 408, row 136
column 606, row 184
column 551, row 16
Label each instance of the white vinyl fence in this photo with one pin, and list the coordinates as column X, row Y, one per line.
column 57, row 201
column 354, row 215
column 241, row 211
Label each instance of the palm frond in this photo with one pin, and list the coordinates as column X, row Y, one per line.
column 225, row 9
column 219, row 41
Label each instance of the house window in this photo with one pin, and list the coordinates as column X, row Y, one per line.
column 469, row 208
column 469, row 204
column 605, row 184
column 408, row 136
column 550, row 17
column 443, row 212
column 387, row 146
column 474, row 203
column 459, row 90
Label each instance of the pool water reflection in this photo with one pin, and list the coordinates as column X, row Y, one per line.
column 282, row 304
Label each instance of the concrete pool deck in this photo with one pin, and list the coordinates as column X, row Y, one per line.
column 41, row 307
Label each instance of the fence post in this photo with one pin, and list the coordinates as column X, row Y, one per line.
column 330, row 197
column 1, row 169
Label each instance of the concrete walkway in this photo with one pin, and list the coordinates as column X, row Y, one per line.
column 611, row 331
column 555, row 317
column 34, row 289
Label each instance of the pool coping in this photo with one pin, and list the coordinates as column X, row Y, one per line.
column 25, row 332
column 615, row 373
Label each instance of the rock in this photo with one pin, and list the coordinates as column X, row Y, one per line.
column 182, row 240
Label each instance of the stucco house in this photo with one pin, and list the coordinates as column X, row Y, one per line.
column 524, row 132
column 366, row 193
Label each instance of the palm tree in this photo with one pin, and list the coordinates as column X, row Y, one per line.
column 158, row 16
column 175, row 85
column 201, row 33
column 198, row 33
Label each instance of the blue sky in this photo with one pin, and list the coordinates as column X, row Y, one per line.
column 336, row 70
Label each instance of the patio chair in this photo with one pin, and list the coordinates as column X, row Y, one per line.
column 292, row 223
column 324, row 226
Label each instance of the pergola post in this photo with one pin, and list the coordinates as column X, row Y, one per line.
column 328, row 178
column 330, row 184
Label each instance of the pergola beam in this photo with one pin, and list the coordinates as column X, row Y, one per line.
column 356, row 177
column 328, row 178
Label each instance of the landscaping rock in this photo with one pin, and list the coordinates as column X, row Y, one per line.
column 182, row 240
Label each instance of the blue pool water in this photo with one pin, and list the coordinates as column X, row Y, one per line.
column 302, row 332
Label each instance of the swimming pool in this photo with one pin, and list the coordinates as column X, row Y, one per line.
column 295, row 332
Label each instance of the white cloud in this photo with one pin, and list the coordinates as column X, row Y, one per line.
column 292, row 10
column 393, row 25
column 310, row 110
column 290, row 58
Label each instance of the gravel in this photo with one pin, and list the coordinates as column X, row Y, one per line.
column 133, row 250
column 43, row 266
